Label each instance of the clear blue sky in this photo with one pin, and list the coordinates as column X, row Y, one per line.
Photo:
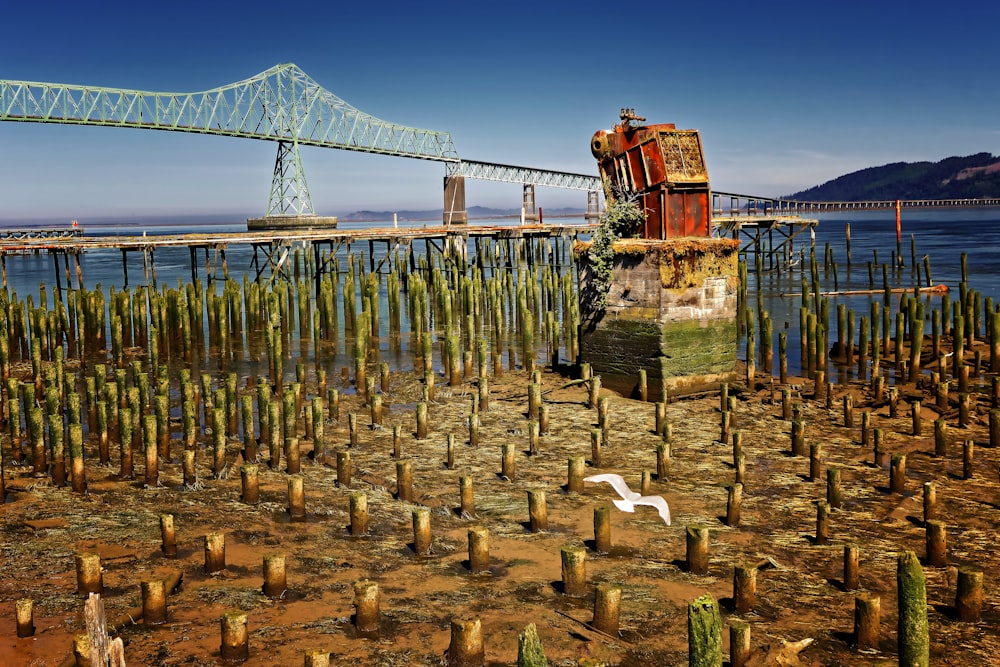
column 786, row 94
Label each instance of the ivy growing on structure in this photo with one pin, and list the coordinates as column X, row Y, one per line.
column 622, row 219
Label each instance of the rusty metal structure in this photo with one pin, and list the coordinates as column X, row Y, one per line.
column 661, row 165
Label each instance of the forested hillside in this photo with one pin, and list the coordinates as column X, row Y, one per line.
column 954, row 177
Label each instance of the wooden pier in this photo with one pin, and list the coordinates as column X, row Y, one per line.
column 757, row 234
column 271, row 248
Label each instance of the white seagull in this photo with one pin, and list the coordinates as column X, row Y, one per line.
column 630, row 498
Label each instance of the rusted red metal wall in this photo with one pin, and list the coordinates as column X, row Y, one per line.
column 665, row 168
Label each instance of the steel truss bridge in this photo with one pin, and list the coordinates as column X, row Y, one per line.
column 283, row 104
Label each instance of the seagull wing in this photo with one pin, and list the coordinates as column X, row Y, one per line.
column 617, row 483
column 659, row 503
column 624, row 505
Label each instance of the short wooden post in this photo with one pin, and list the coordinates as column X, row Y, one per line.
column 235, row 645
column 421, row 531
column 479, row 549
column 215, row 552
column 24, row 610
column 851, row 575
column 912, row 632
column 507, row 462
column 404, row 481
column 697, row 549
column 602, row 528
column 969, row 595
column 734, row 505
column 249, row 481
column 154, row 602
column 168, row 542
column 936, row 533
column 574, row 474
column 275, row 579
column 367, row 613
column 704, row 632
column 930, row 501
column 867, row 616
column 822, row 522
column 537, row 511
column 467, row 497
column 744, row 588
column 897, row 473
column 344, row 469
column 574, row 570
column 607, row 608
column 466, row 646
column 359, row 512
column 834, row 495
column 739, row 642
column 296, row 498
column 88, row 574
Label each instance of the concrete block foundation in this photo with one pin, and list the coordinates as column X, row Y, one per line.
column 671, row 310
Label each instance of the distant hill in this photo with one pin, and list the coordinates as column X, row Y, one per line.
column 474, row 213
column 954, row 177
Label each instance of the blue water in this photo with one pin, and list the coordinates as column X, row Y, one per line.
column 942, row 234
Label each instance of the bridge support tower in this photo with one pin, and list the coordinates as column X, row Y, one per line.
column 528, row 206
column 454, row 200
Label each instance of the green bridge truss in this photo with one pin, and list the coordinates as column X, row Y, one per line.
column 282, row 104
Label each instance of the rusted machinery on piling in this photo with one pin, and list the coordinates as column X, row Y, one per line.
column 667, row 322
column 661, row 165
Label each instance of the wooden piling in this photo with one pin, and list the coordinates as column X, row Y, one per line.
column 739, row 643
column 235, row 646
column 602, row 528
column 867, row 617
column 574, row 474
column 607, row 608
column 912, row 631
column 936, row 533
column 359, row 513
column 537, row 511
column 275, row 579
column 404, row 481
column 734, row 505
column 968, row 596
column 744, row 588
column 479, row 549
column 215, row 552
column 897, row 473
column 25, row 614
column 154, row 602
column 704, row 632
column 697, row 549
column 367, row 613
column 421, row 531
column 466, row 646
column 250, row 484
column 574, row 570
column 88, row 574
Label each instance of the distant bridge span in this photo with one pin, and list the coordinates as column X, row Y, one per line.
column 282, row 104
column 285, row 105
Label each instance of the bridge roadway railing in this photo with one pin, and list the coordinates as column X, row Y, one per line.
column 506, row 173
column 731, row 204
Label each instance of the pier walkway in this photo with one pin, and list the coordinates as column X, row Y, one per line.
column 271, row 248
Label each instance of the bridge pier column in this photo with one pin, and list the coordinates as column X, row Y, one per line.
column 454, row 200
column 593, row 206
column 528, row 203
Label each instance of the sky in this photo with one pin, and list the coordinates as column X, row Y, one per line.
column 786, row 95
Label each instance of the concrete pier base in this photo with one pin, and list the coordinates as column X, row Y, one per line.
column 454, row 201
column 671, row 311
column 277, row 222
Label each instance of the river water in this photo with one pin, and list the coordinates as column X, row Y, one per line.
column 943, row 235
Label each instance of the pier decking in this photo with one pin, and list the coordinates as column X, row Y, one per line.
column 271, row 248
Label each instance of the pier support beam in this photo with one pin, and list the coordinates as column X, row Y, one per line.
column 454, row 201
